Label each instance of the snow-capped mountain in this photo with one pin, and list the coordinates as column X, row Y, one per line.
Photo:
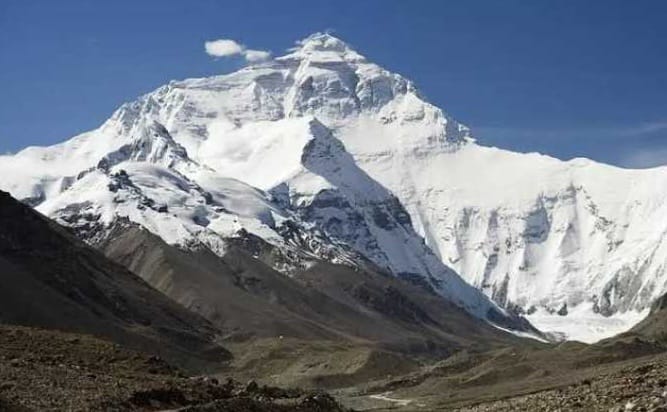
column 325, row 155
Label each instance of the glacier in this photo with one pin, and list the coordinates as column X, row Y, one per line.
column 352, row 158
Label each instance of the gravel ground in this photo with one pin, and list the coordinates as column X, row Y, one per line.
column 637, row 388
column 54, row 371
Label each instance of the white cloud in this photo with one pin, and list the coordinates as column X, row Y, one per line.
column 223, row 48
column 228, row 47
column 256, row 55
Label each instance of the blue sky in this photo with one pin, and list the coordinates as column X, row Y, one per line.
column 563, row 77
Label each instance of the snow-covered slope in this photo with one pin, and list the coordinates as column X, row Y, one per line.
column 352, row 155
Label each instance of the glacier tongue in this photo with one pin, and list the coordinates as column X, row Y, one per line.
column 356, row 161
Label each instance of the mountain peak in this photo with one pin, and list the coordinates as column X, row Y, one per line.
column 323, row 45
column 322, row 41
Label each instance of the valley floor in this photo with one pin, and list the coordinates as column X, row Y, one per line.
column 44, row 370
column 639, row 387
column 625, row 374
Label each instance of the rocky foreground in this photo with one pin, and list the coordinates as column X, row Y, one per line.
column 635, row 388
column 49, row 370
column 53, row 371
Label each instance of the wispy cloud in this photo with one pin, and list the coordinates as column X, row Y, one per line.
column 634, row 146
column 651, row 127
column 228, row 47
column 644, row 158
column 641, row 129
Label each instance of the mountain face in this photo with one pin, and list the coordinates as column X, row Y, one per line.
column 50, row 279
column 247, row 299
column 326, row 156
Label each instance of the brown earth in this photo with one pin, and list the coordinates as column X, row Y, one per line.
column 54, row 371
column 638, row 387
column 569, row 376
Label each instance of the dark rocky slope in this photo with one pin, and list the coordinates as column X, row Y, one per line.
column 52, row 280
column 246, row 298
